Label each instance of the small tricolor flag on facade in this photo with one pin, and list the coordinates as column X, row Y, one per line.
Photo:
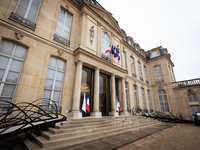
column 86, row 103
column 117, row 105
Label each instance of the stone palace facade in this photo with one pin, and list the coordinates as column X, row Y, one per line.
column 56, row 49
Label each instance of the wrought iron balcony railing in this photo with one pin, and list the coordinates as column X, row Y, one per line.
column 22, row 20
column 159, row 81
column 193, row 82
column 61, row 39
column 105, row 57
column 134, row 75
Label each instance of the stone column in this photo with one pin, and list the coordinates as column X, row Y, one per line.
column 96, row 112
column 77, row 92
column 124, row 108
column 113, row 97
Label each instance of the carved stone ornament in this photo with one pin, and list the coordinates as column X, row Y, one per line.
column 92, row 34
column 18, row 36
column 160, row 87
column 67, row 7
column 60, row 52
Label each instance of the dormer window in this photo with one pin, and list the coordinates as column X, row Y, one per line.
column 130, row 42
column 154, row 53
column 136, row 48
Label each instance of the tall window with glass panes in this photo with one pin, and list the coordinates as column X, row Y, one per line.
column 135, row 95
column 54, row 80
column 12, row 57
column 127, row 99
column 143, row 98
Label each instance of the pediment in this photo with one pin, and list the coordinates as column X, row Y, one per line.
column 107, row 16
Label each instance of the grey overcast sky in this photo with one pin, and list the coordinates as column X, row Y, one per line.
column 172, row 24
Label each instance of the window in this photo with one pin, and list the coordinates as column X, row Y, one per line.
column 145, row 73
column 143, row 98
column 54, row 80
column 12, row 58
column 126, row 91
column 154, row 53
column 26, row 12
column 130, row 43
column 192, row 97
column 105, row 43
column 136, row 48
column 194, row 108
column 158, row 74
column 124, row 57
column 63, row 27
column 163, row 101
column 135, row 95
column 133, row 67
column 149, row 99
column 140, row 71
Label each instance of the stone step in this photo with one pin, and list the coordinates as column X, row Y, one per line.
column 43, row 142
column 69, row 128
column 74, row 129
column 85, row 131
column 55, row 144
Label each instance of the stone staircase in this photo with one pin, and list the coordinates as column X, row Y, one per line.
column 75, row 132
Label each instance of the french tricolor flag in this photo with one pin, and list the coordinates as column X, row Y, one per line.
column 84, row 103
column 115, row 54
column 117, row 105
column 108, row 50
column 88, row 103
column 118, row 54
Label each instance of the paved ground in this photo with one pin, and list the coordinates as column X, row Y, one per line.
column 123, row 139
column 179, row 137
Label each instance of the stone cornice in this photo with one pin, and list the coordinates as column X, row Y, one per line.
column 135, row 79
column 80, row 50
column 161, row 57
column 134, row 51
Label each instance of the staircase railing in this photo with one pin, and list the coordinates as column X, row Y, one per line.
column 21, row 117
column 165, row 117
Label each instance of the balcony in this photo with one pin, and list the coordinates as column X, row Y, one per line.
column 194, row 82
column 141, row 78
column 160, row 81
column 61, row 39
column 134, row 75
column 105, row 57
column 22, row 20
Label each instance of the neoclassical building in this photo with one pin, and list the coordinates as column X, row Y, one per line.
column 56, row 49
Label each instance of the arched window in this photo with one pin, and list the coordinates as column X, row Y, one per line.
column 163, row 101
column 12, row 57
column 105, row 43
